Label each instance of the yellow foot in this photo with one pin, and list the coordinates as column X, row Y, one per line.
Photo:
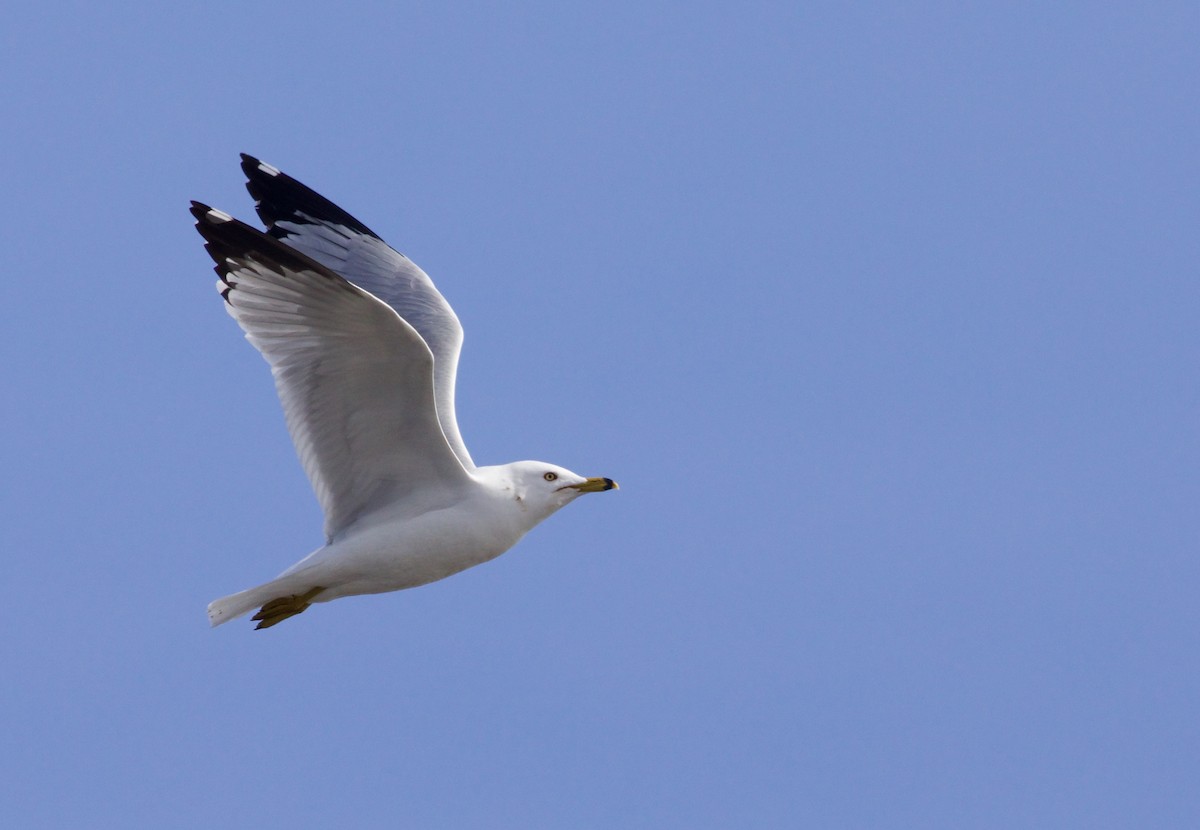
column 278, row 610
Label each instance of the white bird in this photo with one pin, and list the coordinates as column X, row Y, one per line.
column 364, row 351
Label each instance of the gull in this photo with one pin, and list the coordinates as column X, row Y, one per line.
column 364, row 351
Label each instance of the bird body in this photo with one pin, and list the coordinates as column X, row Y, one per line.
column 405, row 546
column 364, row 353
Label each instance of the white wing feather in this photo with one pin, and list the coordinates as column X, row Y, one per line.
column 308, row 222
column 355, row 379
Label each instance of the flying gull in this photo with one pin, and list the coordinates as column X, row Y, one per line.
column 364, row 351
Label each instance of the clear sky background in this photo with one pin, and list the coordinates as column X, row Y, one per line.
column 884, row 317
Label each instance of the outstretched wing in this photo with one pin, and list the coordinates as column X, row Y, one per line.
column 355, row 380
column 310, row 223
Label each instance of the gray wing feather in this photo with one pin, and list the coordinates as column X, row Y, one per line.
column 308, row 222
column 355, row 379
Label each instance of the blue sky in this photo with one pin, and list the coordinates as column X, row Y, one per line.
column 884, row 318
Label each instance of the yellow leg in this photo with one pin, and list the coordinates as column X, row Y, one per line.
column 278, row 610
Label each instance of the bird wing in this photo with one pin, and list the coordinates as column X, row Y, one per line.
column 356, row 381
column 305, row 220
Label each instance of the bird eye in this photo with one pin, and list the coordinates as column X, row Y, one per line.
column 550, row 476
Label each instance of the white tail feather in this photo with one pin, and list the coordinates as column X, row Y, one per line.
column 235, row 605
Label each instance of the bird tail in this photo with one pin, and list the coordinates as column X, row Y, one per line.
column 236, row 605
column 290, row 586
column 296, row 583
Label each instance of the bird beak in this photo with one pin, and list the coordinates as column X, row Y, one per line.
column 594, row 485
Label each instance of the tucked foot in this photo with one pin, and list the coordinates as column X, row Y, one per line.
column 278, row 610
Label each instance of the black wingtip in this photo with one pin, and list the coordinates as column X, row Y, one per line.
column 228, row 240
column 255, row 168
column 280, row 198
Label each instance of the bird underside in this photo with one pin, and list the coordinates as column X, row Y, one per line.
column 278, row 610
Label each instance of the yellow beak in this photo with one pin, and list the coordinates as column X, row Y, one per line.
column 595, row 485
